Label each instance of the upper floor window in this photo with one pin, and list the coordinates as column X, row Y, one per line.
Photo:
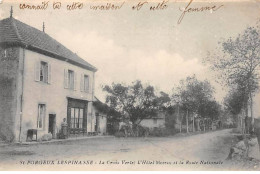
column 85, row 83
column 43, row 72
column 70, row 79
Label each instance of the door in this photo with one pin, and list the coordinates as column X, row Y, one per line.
column 52, row 124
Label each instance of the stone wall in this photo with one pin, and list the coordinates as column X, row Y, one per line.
column 9, row 63
column 245, row 149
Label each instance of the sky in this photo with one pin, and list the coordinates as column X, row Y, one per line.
column 126, row 45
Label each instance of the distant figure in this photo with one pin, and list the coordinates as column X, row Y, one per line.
column 126, row 127
column 64, row 123
column 257, row 130
column 64, row 129
column 121, row 125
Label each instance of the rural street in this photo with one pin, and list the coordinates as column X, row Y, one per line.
column 194, row 152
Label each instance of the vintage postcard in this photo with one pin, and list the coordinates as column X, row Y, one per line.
column 130, row 85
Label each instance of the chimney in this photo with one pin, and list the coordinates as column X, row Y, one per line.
column 11, row 12
column 43, row 27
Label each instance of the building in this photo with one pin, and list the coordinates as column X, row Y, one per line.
column 155, row 121
column 100, row 118
column 41, row 83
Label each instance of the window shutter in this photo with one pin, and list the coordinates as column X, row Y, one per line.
column 75, row 81
column 82, row 82
column 89, row 85
column 37, row 71
column 66, row 79
column 49, row 73
column 38, row 116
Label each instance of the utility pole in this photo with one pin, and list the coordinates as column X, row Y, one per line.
column 187, row 121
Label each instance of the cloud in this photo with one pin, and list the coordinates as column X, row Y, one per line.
column 116, row 63
column 1, row 14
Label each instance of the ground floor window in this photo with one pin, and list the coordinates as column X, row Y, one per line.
column 76, row 118
column 41, row 115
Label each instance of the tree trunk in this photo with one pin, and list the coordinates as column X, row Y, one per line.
column 187, row 122
column 204, row 124
column 246, row 109
column 181, row 124
column 178, row 112
column 238, row 121
column 198, row 124
column 251, row 110
column 241, row 124
column 193, row 123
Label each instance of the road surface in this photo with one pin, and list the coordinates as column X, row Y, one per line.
column 206, row 151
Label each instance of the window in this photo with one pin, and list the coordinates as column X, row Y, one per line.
column 72, row 118
column 85, row 83
column 80, row 118
column 154, row 121
column 76, row 118
column 43, row 72
column 69, row 79
column 41, row 115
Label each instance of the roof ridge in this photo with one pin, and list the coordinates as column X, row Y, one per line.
column 50, row 37
column 16, row 30
column 26, row 35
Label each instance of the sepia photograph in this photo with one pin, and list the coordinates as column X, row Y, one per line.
column 129, row 85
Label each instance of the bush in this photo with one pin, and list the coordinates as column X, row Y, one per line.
column 140, row 131
column 161, row 132
column 119, row 134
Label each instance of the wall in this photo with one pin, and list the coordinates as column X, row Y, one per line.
column 150, row 123
column 9, row 80
column 53, row 95
column 102, row 121
column 103, row 124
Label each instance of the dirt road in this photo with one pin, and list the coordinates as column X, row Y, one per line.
column 206, row 151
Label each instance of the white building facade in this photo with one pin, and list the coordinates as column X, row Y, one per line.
column 47, row 84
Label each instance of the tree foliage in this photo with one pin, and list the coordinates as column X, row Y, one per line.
column 195, row 98
column 193, row 94
column 237, row 63
column 135, row 102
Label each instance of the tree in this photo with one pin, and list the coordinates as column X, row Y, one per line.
column 134, row 102
column 234, row 104
column 237, row 62
column 209, row 110
column 163, row 101
column 193, row 95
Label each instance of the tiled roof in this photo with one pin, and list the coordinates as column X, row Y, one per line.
column 13, row 31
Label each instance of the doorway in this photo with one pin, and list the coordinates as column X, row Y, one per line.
column 52, row 124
